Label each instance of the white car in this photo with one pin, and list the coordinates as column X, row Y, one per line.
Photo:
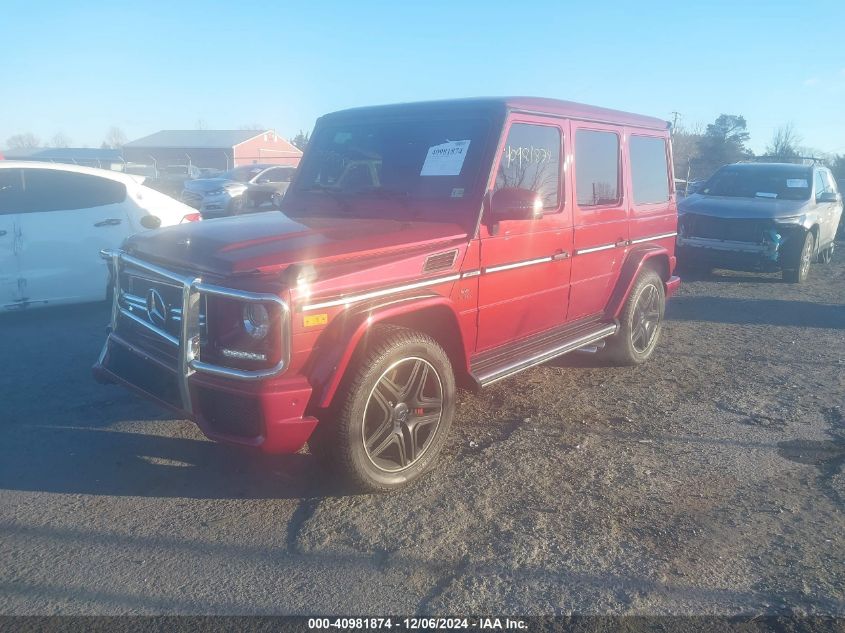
column 55, row 219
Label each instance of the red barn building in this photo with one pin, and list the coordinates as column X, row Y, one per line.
column 219, row 149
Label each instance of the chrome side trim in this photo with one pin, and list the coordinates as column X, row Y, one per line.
column 595, row 249
column 527, row 262
column 542, row 357
column 653, row 237
column 345, row 301
column 470, row 273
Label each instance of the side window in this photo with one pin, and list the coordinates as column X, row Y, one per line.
column 596, row 168
column 53, row 190
column 649, row 169
column 531, row 160
column 11, row 191
column 279, row 175
column 821, row 184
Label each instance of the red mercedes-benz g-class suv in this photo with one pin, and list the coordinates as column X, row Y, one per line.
column 421, row 247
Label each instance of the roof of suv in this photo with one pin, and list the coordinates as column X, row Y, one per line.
column 539, row 105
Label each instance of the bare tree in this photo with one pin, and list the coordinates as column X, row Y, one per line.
column 59, row 140
column 201, row 124
column 27, row 140
column 784, row 143
column 115, row 138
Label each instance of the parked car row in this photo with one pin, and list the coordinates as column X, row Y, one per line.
column 55, row 219
column 240, row 190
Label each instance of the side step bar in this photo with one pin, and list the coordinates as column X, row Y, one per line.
column 545, row 350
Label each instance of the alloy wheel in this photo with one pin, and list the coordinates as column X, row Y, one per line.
column 646, row 318
column 402, row 415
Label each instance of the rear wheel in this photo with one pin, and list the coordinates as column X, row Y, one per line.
column 797, row 264
column 393, row 412
column 640, row 323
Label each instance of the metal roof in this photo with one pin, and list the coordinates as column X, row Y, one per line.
column 64, row 154
column 196, row 139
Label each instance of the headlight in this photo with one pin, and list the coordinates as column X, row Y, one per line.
column 791, row 219
column 256, row 320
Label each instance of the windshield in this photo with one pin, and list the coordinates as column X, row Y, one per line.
column 418, row 161
column 243, row 174
column 780, row 182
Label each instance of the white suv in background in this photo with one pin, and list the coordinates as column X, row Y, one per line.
column 55, row 219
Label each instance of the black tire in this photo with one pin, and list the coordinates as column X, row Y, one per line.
column 796, row 267
column 374, row 436
column 640, row 323
column 826, row 256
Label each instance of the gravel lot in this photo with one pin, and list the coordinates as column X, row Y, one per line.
column 709, row 481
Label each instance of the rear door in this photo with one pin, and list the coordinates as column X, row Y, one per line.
column 652, row 210
column 69, row 217
column 524, row 287
column 600, row 216
column 11, row 195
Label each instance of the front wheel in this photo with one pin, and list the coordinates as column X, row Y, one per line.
column 797, row 265
column 640, row 323
column 393, row 412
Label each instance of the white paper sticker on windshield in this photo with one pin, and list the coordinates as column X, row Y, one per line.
column 765, row 194
column 799, row 183
column 446, row 159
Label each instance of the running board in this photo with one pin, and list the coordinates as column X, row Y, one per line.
column 497, row 364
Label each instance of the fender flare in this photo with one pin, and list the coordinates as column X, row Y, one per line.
column 634, row 263
column 346, row 332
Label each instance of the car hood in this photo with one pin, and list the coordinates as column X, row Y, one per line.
column 269, row 242
column 203, row 185
column 733, row 207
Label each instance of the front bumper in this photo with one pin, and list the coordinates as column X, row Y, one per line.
column 258, row 408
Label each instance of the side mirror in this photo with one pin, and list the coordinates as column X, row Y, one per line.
column 512, row 203
column 828, row 196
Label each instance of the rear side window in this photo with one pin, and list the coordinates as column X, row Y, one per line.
column 53, row 190
column 649, row 170
column 11, row 191
column 596, row 168
column 531, row 160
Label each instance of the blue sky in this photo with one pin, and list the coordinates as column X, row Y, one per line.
column 80, row 67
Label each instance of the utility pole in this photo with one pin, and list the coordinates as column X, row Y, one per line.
column 675, row 117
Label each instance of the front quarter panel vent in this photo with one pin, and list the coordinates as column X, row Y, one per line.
column 440, row 261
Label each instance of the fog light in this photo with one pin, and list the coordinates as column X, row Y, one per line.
column 256, row 320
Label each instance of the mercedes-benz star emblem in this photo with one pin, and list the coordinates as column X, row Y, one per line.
column 156, row 308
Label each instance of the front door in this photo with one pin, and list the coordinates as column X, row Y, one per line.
column 11, row 193
column 67, row 219
column 524, row 282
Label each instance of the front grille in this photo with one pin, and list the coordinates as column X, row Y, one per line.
column 731, row 229
column 145, row 375
column 155, row 301
column 192, row 199
column 230, row 414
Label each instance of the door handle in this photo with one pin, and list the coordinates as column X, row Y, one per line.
column 109, row 222
column 2, row 233
column 559, row 255
column 620, row 243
